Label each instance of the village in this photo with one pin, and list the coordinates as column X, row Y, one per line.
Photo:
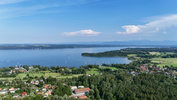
column 154, row 70
column 47, row 89
column 40, row 87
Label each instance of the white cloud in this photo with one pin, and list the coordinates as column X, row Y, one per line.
column 153, row 26
column 81, row 33
column 2, row 2
column 165, row 32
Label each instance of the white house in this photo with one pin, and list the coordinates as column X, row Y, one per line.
column 15, row 95
column 30, row 67
column 37, row 90
column 73, row 87
column 11, row 88
column 3, row 92
column 12, row 91
column 44, row 89
column 80, row 86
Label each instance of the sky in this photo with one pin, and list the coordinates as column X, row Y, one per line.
column 67, row 21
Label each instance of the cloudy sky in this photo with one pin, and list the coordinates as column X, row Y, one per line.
column 60, row 21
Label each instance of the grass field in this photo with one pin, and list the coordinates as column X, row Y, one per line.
column 165, row 61
column 22, row 75
column 52, row 74
column 9, row 78
column 114, row 68
column 70, row 76
column 154, row 53
column 93, row 71
column 47, row 74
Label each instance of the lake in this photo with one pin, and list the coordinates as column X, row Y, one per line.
column 58, row 57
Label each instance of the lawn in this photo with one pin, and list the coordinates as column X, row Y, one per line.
column 165, row 61
column 114, row 68
column 52, row 74
column 9, row 78
column 93, row 71
column 132, row 55
column 22, row 75
column 70, row 76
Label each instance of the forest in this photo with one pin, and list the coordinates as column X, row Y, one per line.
column 140, row 52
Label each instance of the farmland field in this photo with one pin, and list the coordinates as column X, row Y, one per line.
column 165, row 61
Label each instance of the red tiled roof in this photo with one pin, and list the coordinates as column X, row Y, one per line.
column 82, row 90
column 24, row 93
column 164, row 72
column 82, row 97
column 153, row 72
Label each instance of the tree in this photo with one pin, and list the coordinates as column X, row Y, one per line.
column 29, row 80
column 28, row 90
column 26, row 98
column 38, row 97
column 108, row 96
column 41, row 84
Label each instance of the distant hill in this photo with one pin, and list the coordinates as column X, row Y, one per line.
column 133, row 42
column 141, row 42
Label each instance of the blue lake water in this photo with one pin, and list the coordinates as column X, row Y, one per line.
column 58, row 57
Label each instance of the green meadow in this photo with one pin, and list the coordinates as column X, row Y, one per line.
column 165, row 61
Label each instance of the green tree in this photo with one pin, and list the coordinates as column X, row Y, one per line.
column 38, row 97
column 41, row 84
column 26, row 98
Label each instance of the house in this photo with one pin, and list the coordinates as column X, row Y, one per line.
column 153, row 72
column 39, row 93
column 62, row 69
column 17, row 88
column 30, row 67
column 44, row 89
column 36, row 83
column 143, row 68
column 45, row 95
column 37, row 90
column 3, row 92
column 82, row 97
column 23, row 94
column 82, row 91
column 32, row 82
column 5, row 89
column 48, row 93
column 12, row 91
column 46, row 85
column 16, row 68
column 80, row 86
column 15, row 96
column 73, row 87
column 88, row 74
column 134, row 73
column 51, row 91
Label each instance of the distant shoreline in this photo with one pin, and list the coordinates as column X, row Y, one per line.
column 64, row 46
